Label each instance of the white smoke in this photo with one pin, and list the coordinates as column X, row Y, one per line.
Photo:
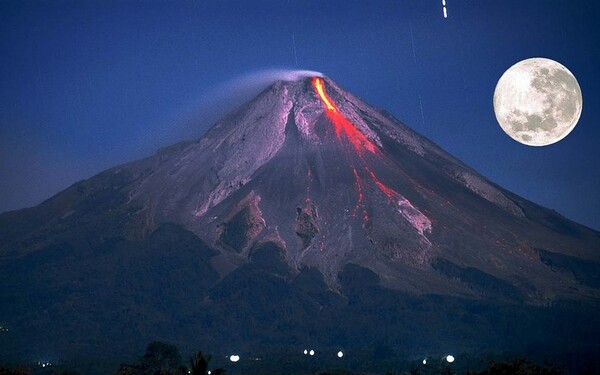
column 266, row 77
column 199, row 114
column 240, row 89
column 233, row 93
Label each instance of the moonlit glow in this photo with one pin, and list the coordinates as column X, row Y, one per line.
column 537, row 102
column 450, row 358
column 234, row 358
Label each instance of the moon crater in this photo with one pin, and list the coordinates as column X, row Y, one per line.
column 537, row 102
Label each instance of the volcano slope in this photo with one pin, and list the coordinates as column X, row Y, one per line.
column 305, row 217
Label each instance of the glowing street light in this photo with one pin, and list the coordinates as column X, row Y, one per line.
column 425, row 361
column 450, row 358
column 234, row 358
column 312, row 352
column 340, row 354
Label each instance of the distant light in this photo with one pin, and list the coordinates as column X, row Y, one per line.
column 340, row 354
column 425, row 361
column 209, row 372
column 450, row 359
column 445, row 13
column 234, row 358
column 312, row 352
column 305, row 352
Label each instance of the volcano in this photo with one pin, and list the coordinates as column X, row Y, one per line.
column 305, row 217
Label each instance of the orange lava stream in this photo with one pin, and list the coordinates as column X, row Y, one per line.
column 341, row 124
column 390, row 193
column 360, row 143
column 318, row 85
column 360, row 203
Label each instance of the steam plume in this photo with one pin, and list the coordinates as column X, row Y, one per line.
column 215, row 103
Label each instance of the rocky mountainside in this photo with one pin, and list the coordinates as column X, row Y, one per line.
column 294, row 218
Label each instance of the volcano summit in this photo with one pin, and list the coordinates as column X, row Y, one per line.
column 305, row 216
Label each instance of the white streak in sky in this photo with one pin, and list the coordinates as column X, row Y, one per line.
column 422, row 115
column 412, row 42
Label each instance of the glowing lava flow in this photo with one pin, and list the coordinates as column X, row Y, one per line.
column 341, row 124
column 318, row 85
column 390, row 193
column 360, row 143
column 360, row 203
column 345, row 129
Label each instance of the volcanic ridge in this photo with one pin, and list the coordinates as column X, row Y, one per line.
column 299, row 214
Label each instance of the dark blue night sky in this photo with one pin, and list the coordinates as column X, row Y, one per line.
column 88, row 85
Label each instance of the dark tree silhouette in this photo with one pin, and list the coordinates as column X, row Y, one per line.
column 518, row 367
column 159, row 359
column 164, row 359
column 199, row 363
column 14, row 371
column 160, row 356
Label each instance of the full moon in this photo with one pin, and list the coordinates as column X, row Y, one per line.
column 537, row 102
